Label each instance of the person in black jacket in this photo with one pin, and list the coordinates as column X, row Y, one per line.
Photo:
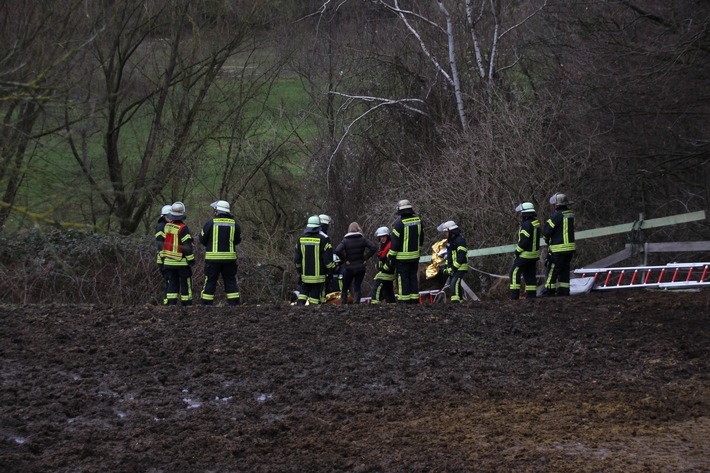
column 527, row 252
column 456, row 258
column 220, row 236
column 353, row 251
column 330, row 277
column 383, row 285
column 160, row 230
column 177, row 254
column 559, row 236
column 405, row 249
column 313, row 260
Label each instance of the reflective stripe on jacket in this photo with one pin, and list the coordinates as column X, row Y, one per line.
column 177, row 245
column 220, row 237
column 457, row 252
column 384, row 272
column 407, row 238
column 559, row 231
column 528, row 246
column 160, row 234
column 313, row 257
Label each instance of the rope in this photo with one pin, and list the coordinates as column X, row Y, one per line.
column 488, row 274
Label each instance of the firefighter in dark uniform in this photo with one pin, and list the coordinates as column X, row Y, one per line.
column 313, row 260
column 559, row 236
column 330, row 277
column 407, row 241
column 527, row 252
column 220, row 236
column 176, row 251
column 456, row 258
column 160, row 230
column 383, row 287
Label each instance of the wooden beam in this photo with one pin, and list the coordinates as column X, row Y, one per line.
column 599, row 232
column 673, row 247
column 642, row 225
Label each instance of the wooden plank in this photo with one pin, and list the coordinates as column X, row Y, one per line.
column 598, row 232
column 672, row 247
column 645, row 224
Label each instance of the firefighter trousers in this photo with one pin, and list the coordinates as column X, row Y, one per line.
column 557, row 281
column 523, row 269
column 179, row 284
column 407, row 272
column 228, row 271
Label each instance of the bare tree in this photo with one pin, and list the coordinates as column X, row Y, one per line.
column 635, row 78
column 37, row 43
column 149, row 90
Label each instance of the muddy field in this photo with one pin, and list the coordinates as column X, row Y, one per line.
column 605, row 382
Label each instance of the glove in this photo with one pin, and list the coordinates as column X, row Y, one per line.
column 548, row 260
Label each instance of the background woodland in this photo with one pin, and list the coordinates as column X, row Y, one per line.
column 289, row 108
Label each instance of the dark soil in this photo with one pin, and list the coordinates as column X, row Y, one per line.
column 612, row 382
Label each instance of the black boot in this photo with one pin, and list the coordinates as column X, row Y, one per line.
column 357, row 297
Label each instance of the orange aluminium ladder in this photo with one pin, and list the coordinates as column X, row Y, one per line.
column 672, row 275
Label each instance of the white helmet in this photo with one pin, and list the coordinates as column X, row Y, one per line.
column 526, row 208
column 325, row 219
column 177, row 211
column 165, row 210
column 220, row 206
column 382, row 231
column 336, row 258
column 559, row 199
column 403, row 205
column 313, row 222
column 446, row 226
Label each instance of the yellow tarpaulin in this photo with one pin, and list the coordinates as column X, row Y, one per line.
column 436, row 259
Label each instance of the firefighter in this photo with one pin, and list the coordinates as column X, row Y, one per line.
column 559, row 236
column 407, row 241
column 456, row 258
column 335, row 284
column 176, row 250
column 220, row 236
column 353, row 251
column 160, row 230
column 325, row 222
column 383, row 286
column 313, row 260
column 527, row 252
column 330, row 276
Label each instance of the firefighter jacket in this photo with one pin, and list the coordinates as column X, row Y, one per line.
column 407, row 239
column 528, row 246
column 220, row 236
column 384, row 272
column 354, row 250
column 159, row 230
column 559, row 231
column 456, row 252
column 314, row 256
column 176, row 245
